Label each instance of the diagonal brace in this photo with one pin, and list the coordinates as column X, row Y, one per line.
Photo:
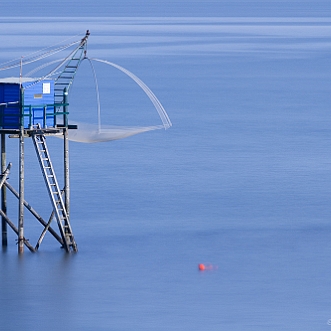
column 46, row 227
column 12, row 225
column 9, row 222
column 35, row 214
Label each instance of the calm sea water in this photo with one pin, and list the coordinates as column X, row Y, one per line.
column 241, row 180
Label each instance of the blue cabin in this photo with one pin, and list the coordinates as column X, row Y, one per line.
column 37, row 106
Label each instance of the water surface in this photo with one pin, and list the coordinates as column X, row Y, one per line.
column 241, row 180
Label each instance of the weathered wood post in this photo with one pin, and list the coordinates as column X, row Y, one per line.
column 66, row 152
column 3, row 192
column 21, row 177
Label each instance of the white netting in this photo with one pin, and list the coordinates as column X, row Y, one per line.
column 89, row 133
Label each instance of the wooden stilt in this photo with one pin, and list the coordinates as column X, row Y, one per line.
column 20, row 227
column 66, row 153
column 3, row 192
column 37, row 216
column 21, row 194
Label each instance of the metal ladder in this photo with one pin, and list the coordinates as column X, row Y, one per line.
column 66, row 77
column 54, row 191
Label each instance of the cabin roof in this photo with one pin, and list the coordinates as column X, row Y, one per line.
column 17, row 80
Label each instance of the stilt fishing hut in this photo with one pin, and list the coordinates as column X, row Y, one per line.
column 38, row 107
column 31, row 108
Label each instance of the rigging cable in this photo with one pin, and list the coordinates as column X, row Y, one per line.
column 28, row 59
column 96, row 91
column 157, row 104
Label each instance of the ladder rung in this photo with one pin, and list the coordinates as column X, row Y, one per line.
column 66, row 77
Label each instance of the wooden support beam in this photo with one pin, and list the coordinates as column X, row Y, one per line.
column 47, row 227
column 66, row 153
column 4, row 175
column 35, row 214
column 5, row 217
column 12, row 225
column 21, row 194
column 66, row 172
column 3, row 192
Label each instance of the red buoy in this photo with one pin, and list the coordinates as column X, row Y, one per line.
column 202, row 267
column 206, row 266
